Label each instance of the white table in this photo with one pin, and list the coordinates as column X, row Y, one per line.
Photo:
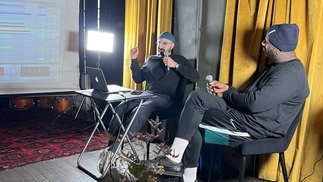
column 109, row 99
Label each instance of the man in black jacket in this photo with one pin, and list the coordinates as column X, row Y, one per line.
column 163, row 73
column 265, row 108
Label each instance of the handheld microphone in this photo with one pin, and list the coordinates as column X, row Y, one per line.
column 167, row 53
column 209, row 79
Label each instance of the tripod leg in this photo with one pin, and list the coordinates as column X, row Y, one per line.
column 78, row 110
column 94, row 117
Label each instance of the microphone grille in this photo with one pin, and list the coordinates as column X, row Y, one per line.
column 209, row 78
column 166, row 53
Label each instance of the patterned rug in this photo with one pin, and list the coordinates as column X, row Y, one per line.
column 34, row 135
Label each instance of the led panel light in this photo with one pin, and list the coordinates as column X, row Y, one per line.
column 100, row 41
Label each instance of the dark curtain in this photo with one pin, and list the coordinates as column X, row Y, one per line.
column 112, row 21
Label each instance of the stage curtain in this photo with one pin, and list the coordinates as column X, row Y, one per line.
column 144, row 20
column 246, row 24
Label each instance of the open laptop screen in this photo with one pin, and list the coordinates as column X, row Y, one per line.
column 99, row 82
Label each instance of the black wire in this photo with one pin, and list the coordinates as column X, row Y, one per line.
column 313, row 169
column 162, row 55
column 157, row 80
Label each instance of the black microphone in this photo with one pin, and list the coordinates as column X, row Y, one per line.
column 209, row 79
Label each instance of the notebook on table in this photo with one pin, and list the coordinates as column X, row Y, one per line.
column 99, row 83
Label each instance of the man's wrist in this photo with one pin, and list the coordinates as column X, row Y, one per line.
column 221, row 93
column 228, row 86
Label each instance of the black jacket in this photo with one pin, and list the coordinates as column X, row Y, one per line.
column 158, row 78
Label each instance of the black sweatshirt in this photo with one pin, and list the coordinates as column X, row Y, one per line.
column 272, row 100
column 158, row 78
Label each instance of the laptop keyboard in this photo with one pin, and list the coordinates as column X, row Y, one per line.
column 136, row 92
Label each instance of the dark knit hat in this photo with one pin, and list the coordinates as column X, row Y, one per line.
column 284, row 36
column 166, row 35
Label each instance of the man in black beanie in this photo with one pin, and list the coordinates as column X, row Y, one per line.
column 265, row 108
column 163, row 74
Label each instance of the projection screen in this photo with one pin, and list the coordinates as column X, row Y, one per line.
column 39, row 46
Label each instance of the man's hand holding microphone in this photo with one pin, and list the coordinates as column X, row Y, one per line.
column 168, row 61
column 215, row 87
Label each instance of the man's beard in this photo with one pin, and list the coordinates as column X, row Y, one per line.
column 269, row 53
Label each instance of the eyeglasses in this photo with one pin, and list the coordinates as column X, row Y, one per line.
column 266, row 41
column 163, row 43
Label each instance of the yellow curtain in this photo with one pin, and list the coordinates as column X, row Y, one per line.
column 246, row 24
column 144, row 20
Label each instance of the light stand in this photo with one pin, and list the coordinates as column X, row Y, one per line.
column 100, row 42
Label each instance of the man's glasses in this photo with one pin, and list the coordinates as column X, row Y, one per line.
column 163, row 43
column 266, row 41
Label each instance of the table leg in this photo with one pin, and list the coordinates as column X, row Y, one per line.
column 99, row 116
column 100, row 122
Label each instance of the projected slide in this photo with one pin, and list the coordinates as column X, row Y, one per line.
column 34, row 38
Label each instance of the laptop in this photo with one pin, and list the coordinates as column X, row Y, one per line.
column 99, row 83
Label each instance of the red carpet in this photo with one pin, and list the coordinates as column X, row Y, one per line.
column 29, row 136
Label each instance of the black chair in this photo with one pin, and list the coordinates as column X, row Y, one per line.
column 170, row 114
column 257, row 147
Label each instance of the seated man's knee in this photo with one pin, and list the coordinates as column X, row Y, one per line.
column 195, row 94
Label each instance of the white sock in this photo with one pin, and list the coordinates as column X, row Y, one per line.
column 186, row 179
column 178, row 148
column 189, row 174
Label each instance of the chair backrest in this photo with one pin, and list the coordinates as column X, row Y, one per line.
column 180, row 91
column 291, row 130
column 174, row 110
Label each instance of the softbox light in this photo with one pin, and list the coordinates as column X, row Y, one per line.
column 100, row 41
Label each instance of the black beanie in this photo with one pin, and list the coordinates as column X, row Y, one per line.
column 284, row 36
column 166, row 35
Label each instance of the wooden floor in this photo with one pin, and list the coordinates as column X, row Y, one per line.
column 65, row 170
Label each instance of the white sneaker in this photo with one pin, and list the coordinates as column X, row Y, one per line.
column 105, row 160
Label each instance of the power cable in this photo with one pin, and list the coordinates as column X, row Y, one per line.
column 313, row 169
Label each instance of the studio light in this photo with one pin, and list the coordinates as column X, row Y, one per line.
column 99, row 41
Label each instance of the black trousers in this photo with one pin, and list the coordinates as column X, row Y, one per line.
column 127, row 110
column 202, row 107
